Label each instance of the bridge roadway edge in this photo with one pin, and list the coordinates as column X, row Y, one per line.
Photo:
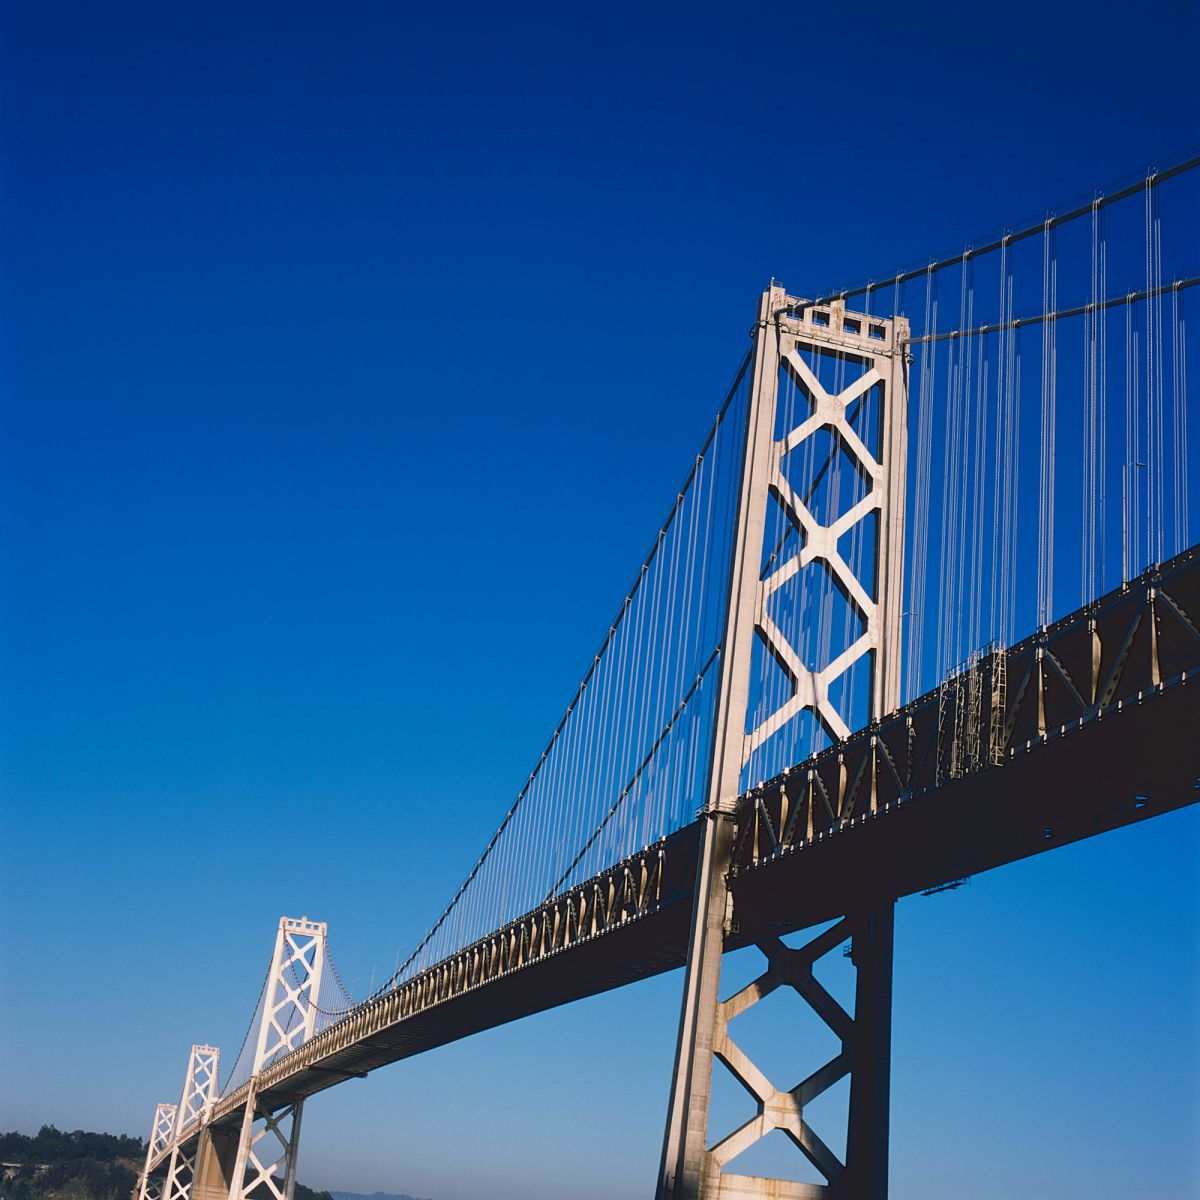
column 649, row 945
column 1129, row 754
column 1078, row 784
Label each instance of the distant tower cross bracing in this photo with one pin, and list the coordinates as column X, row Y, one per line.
column 210, row 1161
column 199, row 1094
column 269, row 1138
column 161, row 1135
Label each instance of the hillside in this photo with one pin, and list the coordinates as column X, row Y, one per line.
column 55, row 1165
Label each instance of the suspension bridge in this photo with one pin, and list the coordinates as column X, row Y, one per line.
column 925, row 603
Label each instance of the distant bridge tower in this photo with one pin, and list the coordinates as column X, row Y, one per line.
column 149, row 1188
column 208, row 1160
column 269, row 1139
column 787, row 330
column 199, row 1094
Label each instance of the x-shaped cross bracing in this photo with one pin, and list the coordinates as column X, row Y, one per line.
column 269, row 1153
column 181, row 1172
column 292, row 990
column 200, row 1087
column 199, row 1094
column 164, row 1125
column 161, row 1133
column 784, row 1110
column 810, row 689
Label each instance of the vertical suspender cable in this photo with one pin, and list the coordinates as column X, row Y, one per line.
column 1179, row 406
column 981, row 451
column 999, row 436
column 1152, row 441
column 928, row 352
column 1101, row 378
column 1046, row 490
column 1091, row 319
column 1013, row 507
column 1156, row 349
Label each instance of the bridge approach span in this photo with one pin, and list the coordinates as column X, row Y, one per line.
column 1079, row 729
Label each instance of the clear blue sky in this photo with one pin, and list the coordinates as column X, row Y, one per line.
column 350, row 355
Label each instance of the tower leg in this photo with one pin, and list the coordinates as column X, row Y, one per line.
column 870, row 1082
column 293, row 1152
column 687, row 1121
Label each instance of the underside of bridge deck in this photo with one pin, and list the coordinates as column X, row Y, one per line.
column 1101, row 776
column 1088, row 780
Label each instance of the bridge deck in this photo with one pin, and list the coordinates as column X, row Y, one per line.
column 1086, row 727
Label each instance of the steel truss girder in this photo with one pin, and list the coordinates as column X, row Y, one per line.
column 628, row 891
column 1141, row 638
